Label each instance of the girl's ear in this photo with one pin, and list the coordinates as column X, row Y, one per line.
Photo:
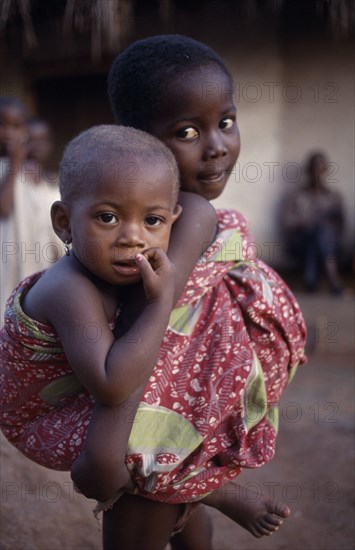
column 60, row 216
column 177, row 212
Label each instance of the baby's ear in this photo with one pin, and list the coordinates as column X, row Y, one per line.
column 60, row 216
column 177, row 212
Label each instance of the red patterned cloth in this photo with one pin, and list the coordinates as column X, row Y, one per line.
column 210, row 407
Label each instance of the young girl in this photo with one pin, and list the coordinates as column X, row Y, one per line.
column 233, row 373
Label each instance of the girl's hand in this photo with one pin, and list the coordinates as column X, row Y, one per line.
column 158, row 274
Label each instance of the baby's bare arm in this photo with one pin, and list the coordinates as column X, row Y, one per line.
column 100, row 471
column 110, row 369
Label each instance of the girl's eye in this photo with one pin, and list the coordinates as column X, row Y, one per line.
column 107, row 217
column 153, row 221
column 187, row 133
column 226, row 123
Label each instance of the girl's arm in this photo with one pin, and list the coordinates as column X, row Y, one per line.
column 191, row 234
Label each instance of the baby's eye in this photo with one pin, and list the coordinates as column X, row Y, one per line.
column 187, row 133
column 153, row 221
column 107, row 217
column 226, row 123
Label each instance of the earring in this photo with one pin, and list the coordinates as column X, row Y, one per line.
column 66, row 247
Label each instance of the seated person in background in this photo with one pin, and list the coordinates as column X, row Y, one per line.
column 313, row 219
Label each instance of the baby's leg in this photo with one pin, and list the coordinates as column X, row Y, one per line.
column 137, row 523
column 257, row 514
column 196, row 534
column 100, row 471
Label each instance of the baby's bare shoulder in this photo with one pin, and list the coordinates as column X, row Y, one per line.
column 60, row 287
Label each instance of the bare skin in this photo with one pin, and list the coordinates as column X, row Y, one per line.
column 197, row 532
column 257, row 514
column 136, row 523
column 134, row 519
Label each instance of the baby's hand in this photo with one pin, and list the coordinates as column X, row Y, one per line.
column 158, row 274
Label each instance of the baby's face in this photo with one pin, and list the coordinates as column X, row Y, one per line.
column 129, row 209
column 199, row 126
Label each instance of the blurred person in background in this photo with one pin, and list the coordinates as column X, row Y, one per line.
column 27, row 191
column 313, row 220
column 40, row 148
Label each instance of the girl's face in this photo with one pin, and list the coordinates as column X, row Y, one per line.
column 13, row 129
column 121, row 215
column 199, row 125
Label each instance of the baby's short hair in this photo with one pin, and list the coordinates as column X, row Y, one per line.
column 104, row 147
column 139, row 77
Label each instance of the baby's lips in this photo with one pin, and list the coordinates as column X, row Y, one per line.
column 126, row 261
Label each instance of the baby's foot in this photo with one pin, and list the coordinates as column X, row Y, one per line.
column 259, row 515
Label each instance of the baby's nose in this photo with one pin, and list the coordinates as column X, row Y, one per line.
column 130, row 235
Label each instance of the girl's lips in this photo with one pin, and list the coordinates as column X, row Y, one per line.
column 211, row 178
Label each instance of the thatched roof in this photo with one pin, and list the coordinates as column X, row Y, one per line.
column 110, row 22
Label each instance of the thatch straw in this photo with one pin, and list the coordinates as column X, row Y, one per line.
column 23, row 6
column 110, row 22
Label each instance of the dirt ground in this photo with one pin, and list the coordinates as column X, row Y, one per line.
column 312, row 472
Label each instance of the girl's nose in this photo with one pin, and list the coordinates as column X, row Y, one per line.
column 214, row 147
